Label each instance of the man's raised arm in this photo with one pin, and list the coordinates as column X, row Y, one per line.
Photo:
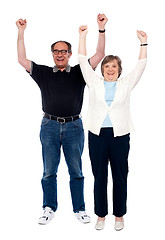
column 100, row 51
column 21, row 24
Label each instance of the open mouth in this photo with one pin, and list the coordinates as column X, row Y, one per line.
column 60, row 60
column 110, row 74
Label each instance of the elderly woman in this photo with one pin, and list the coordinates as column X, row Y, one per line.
column 109, row 124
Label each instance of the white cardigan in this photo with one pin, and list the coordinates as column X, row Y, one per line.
column 119, row 110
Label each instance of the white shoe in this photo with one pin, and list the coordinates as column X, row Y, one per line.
column 100, row 225
column 119, row 225
column 82, row 217
column 47, row 216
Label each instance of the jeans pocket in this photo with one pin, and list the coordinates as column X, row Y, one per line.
column 45, row 121
column 78, row 122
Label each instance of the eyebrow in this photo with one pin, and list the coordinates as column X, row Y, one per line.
column 60, row 50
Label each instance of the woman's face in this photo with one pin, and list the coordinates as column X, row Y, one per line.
column 111, row 71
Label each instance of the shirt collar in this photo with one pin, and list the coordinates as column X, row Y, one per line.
column 67, row 69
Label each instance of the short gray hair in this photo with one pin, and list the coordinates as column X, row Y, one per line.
column 67, row 43
column 110, row 58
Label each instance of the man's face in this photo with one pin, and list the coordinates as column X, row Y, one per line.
column 61, row 58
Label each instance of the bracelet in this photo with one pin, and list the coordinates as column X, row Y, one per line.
column 144, row 44
column 102, row 31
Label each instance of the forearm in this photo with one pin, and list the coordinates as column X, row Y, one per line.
column 21, row 46
column 82, row 45
column 22, row 51
column 143, row 52
column 100, row 51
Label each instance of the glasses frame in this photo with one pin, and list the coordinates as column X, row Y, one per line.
column 62, row 51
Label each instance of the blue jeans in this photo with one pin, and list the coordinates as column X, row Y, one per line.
column 70, row 136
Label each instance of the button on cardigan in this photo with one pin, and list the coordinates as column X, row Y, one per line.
column 119, row 110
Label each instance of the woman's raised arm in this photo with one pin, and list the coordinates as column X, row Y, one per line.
column 143, row 44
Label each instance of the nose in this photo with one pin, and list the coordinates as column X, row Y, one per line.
column 59, row 54
column 110, row 68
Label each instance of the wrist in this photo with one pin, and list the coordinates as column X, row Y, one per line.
column 21, row 31
column 143, row 42
column 82, row 36
column 101, row 27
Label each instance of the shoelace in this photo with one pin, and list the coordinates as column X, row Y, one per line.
column 50, row 212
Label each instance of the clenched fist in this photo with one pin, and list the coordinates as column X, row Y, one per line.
column 142, row 36
column 83, row 30
column 101, row 20
column 21, row 24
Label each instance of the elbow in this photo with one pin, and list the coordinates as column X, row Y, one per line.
column 25, row 63
column 20, row 60
column 101, row 55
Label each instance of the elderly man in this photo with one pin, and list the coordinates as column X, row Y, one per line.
column 62, row 89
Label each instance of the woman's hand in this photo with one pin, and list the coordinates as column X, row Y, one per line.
column 82, row 39
column 142, row 36
column 143, row 40
column 21, row 24
column 83, row 30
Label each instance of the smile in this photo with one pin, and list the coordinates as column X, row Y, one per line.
column 60, row 60
column 110, row 73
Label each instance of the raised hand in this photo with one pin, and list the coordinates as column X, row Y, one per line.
column 143, row 40
column 21, row 24
column 142, row 36
column 101, row 20
column 83, row 30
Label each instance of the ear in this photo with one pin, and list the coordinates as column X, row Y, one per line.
column 69, row 55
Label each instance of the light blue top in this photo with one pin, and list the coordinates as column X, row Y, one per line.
column 110, row 89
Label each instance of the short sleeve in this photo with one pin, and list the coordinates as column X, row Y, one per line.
column 37, row 72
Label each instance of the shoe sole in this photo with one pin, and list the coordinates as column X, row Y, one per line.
column 84, row 221
column 119, row 229
column 45, row 223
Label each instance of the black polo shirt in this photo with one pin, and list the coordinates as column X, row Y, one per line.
column 62, row 92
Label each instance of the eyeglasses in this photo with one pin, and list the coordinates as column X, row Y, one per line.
column 63, row 51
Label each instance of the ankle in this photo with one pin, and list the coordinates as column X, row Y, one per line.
column 118, row 219
column 101, row 218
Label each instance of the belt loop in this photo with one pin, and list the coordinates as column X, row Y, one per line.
column 72, row 118
column 50, row 117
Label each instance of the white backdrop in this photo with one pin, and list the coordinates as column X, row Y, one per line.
column 20, row 103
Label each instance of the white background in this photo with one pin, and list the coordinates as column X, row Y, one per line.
column 20, row 104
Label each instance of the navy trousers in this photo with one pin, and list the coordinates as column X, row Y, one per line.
column 103, row 149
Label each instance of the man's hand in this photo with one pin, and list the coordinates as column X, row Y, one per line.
column 142, row 36
column 101, row 20
column 21, row 24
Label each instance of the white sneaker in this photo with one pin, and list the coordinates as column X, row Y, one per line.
column 47, row 216
column 100, row 225
column 119, row 225
column 82, row 217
